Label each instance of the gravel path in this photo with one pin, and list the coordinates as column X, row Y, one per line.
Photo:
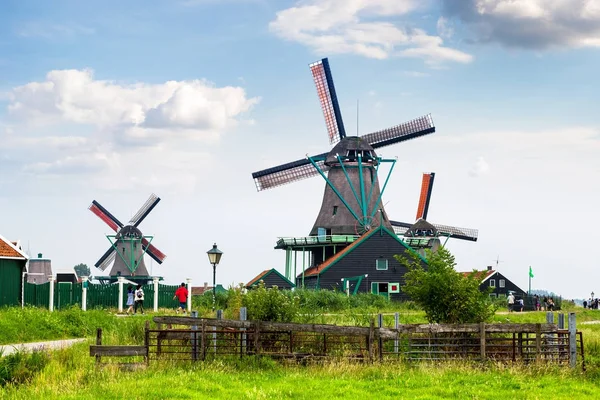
column 53, row 344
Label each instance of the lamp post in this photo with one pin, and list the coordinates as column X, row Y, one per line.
column 214, row 256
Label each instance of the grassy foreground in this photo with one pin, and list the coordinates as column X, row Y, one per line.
column 71, row 375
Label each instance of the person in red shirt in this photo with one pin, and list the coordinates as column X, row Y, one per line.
column 181, row 293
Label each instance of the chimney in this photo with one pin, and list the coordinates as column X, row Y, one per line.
column 205, row 285
column 489, row 267
column 39, row 255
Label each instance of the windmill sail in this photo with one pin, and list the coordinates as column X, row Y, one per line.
column 409, row 130
column 329, row 102
column 286, row 173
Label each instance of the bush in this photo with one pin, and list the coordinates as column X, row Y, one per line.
column 270, row 304
column 445, row 295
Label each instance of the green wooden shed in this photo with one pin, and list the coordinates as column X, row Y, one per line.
column 13, row 261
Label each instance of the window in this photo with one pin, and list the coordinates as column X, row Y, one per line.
column 492, row 283
column 381, row 264
column 501, row 282
column 335, row 210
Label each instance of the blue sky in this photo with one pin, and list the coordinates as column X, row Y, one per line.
column 115, row 100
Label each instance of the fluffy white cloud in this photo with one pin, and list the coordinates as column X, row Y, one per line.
column 535, row 24
column 481, row 167
column 361, row 27
column 75, row 96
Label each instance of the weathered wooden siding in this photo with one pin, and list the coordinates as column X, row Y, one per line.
column 273, row 279
column 508, row 285
column 10, row 282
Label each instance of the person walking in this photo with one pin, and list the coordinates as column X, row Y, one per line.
column 130, row 299
column 511, row 301
column 182, row 294
column 139, row 299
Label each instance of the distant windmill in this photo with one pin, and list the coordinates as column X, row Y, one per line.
column 128, row 245
column 423, row 229
column 352, row 197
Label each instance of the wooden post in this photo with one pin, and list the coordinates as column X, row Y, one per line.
column 147, row 341
column 51, row 299
column 120, row 299
column 380, row 324
column 256, row 337
column 572, row 340
column 155, row 302
column 396, row 324
column 194, row 337
column 561, row 321
column 243, row 317
column 98, row 342
column 482, row 340
column 84, row 285
column 371, row 339
column 203, row 340
column 538, row 342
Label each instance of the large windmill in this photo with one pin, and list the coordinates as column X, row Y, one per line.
column 128, row 245
column 422, row 233
column 352, row 198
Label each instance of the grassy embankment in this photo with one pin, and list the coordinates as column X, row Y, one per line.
column 71, row 373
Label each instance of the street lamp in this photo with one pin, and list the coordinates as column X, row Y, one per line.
column 214, row 256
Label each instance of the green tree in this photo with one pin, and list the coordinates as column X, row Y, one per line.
column 82, row 270
column 446, row 295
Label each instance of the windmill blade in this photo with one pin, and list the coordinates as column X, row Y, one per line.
column 144, row 210
column 328, row 98
column 153, row 252
column 286, row 173
column 409, row 130
column 105, row 216
column 106, row 259
column 425, row 196
column 469, row 234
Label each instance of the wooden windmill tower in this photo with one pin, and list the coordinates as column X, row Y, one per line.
column 128, row 245
column 352, row 200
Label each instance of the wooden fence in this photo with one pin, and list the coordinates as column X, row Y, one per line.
column 188, row 338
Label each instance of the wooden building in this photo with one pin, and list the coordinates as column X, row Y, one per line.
column 367, row 265
column 13, row 261
column 499, row 283
column 271, row 277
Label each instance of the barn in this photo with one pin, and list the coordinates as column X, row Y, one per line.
column 270, row 277
column 13, row 261
column 367, row 265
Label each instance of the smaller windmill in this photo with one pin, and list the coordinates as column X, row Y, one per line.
column 422, row 234
column 128, row 245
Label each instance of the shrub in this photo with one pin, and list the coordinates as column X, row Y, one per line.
column 20, row 367
column 445, row 295
column 270, row 304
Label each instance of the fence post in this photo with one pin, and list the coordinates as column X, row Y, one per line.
column 572, row 340
column 561, row 321
column 380, row 324
column 219, row 317
column 243, row 317
column 482, row 340
column 194, row 314
column 189, row 298
column 147, row 341
column 84, row 284
column 155, row 282
column 120, row 302
column 549, row 317
column 370, row 339
column 538, row 341
column 98, row 342
column 51, row 299
column 396, row 326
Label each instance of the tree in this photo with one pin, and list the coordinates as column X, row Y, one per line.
column 82, row 270
column 446, row 295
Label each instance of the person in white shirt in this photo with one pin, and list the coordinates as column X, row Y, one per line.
column 511, row 301
column 139, row 299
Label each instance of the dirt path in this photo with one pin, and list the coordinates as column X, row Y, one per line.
column 52, row 344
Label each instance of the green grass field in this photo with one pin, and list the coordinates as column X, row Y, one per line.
column 71, row 373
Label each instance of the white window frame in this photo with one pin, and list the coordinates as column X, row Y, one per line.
column 502, row 283
column 492, row 283
column 377, row 264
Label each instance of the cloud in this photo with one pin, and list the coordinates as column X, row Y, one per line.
column 157, row 111
column 118, row 136
column 529, row 24
column 416, row 74
column 481, row 167
column 46, row 30
column 362, row 27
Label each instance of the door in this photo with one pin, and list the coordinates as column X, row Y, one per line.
column 380, row 288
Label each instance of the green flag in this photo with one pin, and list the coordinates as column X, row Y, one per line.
column 530, row 272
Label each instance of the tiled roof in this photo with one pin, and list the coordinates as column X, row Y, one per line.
column 258, row 277
column 10, row 250
column 483, row 275
column 315, row 270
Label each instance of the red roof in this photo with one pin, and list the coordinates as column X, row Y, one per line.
column 258, row 277
column 10, row 250
column 482, row 274
column 315, row 270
